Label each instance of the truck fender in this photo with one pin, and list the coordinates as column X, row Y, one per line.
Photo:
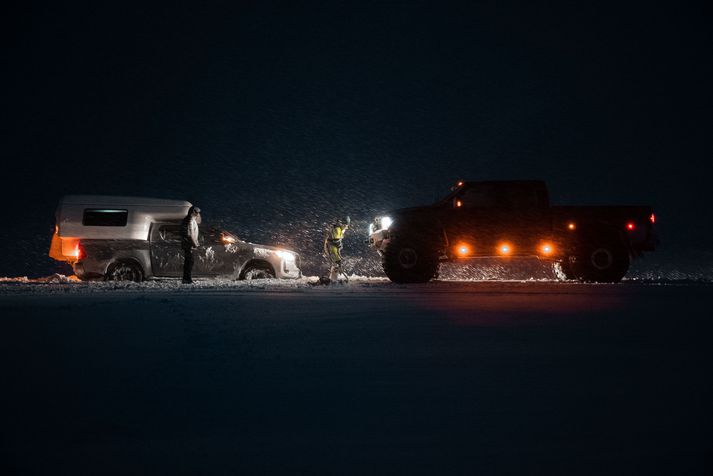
column 140, row 259
column 256, row 262
column 433, row 236
column 588, row 233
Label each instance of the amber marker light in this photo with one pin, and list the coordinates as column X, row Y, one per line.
column 459, row 204
column 505, row 249
column 571, row 226
column 463, row 249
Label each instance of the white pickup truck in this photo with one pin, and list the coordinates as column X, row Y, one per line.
column 133, row 238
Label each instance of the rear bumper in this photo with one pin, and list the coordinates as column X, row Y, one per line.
column 85, row 274
column 648, row 242
column 652, row 241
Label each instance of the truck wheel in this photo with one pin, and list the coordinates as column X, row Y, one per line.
column 405, row 262
column 605, row 262
column 258, row 271
column 124, row 271
column 563, row 270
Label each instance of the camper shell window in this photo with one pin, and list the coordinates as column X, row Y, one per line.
column 104, row 217
column 170, row 233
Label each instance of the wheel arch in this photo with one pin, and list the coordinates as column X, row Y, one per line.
column 430, row 232
column 424, row 267
column 601, row 240
column 126, row 259
column 256, row 262
column 595, row 232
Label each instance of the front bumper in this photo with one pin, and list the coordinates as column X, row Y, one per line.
column 285, row 269
column 379, row 240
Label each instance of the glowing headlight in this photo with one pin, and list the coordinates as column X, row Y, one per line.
column 286, row 255
column 386, row 222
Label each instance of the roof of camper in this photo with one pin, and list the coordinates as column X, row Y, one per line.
column 118, row 201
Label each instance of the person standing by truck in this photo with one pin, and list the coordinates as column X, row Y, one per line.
column 189, row 241
column 333, row 247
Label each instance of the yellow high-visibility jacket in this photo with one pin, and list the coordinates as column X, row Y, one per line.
column 333, row 243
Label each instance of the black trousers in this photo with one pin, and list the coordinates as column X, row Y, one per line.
column 187, row 263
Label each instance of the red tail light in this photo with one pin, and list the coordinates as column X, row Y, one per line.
column 652, row 218
column 81, row 253
column 630, row 226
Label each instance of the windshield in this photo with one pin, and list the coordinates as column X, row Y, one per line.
column 448, row 198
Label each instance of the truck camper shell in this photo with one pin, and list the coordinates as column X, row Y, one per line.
column 104, row 217
column 107, row 217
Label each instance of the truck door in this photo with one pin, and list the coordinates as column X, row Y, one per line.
column 489, row 215
column 528, row 217
column 479, row 218
column 166, row 253
column 216, row 256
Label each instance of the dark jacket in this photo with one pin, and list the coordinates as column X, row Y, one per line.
column 189, row 230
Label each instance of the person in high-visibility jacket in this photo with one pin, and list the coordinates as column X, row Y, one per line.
column 333, row 247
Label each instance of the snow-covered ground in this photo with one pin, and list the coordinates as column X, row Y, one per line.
column 666, row 265
column 490, row 377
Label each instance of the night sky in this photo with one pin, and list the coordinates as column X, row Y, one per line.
column 274, row 117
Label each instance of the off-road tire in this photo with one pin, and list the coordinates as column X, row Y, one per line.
column 124, row 271
column 408, row 262
column 606, row 261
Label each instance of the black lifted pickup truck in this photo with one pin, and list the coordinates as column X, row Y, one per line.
column 509, row 219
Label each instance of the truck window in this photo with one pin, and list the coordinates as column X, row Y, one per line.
column 104, row 217
column 481, row 196
column 507, row 196
column 170, row 233
column 520, row 197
